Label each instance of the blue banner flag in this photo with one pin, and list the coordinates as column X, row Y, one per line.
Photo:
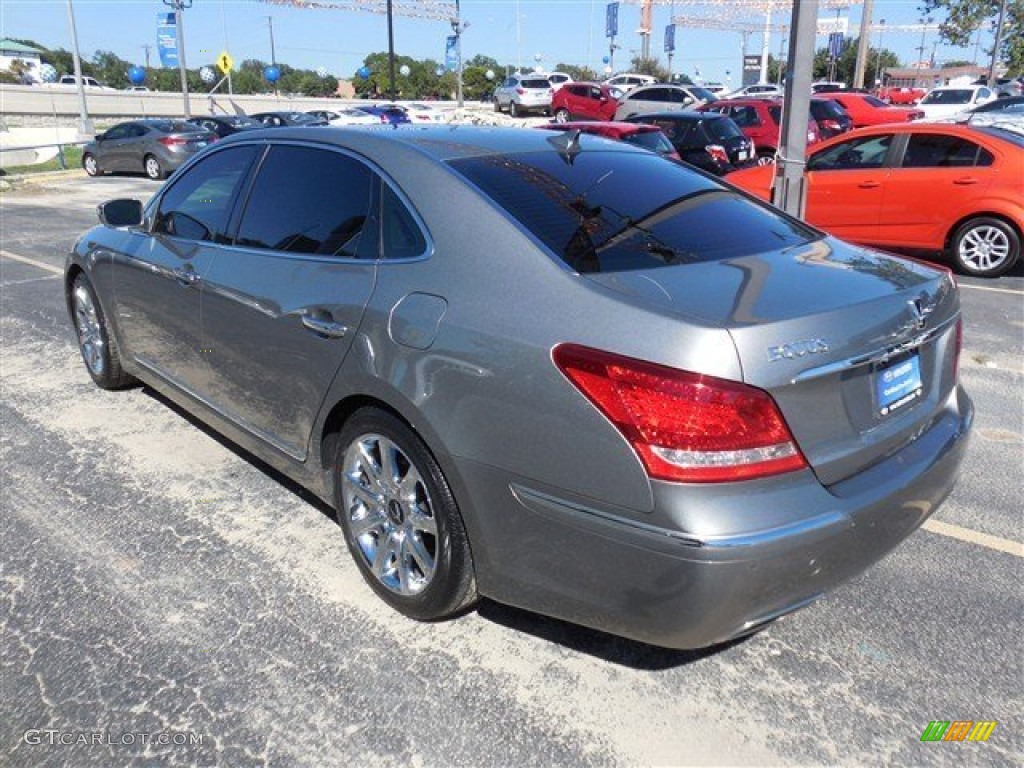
column 449, row 53
column 167, row 39
column 611, row 22
column 670, row 38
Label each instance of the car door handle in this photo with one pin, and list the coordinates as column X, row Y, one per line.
column 965, row 180
column 186, row 276
column 324, row 327
column 869, row 184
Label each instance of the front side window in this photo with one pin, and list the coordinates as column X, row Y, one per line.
column 856, row 154
column 308, row 200
column 122, row 131
column 198, row 206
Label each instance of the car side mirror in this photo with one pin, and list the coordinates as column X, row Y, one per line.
column 120, row 213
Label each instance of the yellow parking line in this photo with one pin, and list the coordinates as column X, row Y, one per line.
column 31, row 262
column 992, row 290
column 974, row 537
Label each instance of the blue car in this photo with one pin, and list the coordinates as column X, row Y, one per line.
column 391, row 114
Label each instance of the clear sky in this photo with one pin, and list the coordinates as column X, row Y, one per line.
column 570, row 31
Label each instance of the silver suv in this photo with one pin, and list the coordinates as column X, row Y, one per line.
column 520, row 94
column 662, row 98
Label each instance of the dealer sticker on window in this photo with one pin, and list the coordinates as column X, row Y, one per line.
column 898, row 384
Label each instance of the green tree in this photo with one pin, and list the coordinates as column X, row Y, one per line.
column 847, row 63
column 650, row 66
column 110, row 69
column 576, row 72
column 964, row 17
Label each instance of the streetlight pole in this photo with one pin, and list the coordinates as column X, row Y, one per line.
column 85, row 127
column 179, row 6
column 995, row 45
column 273, row 54
column 878, row 59
column 391, row 52
column 863, row 44
column 458, row 27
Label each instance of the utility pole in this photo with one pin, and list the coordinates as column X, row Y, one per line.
column 920, row 48
column 863, row 44
column 146, row 49
column 273, row 55
column 878, row 60
column 996, row 45
column 85, row 127
column 788, row 191
column 457, row 28
column 391, row 51
column 179, row 6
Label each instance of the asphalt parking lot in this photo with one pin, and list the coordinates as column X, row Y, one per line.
column 157, row 580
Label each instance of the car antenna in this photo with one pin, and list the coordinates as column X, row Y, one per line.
column 568, row 144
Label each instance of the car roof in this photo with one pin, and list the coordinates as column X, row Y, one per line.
column 439, row 142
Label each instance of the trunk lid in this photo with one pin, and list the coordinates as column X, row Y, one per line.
column 857, row 348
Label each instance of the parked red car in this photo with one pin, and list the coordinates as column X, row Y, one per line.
column 866, row 109
column 901, row 95
column 934, row 187
column 647, row 136
column 760, row 119
column 584, row 101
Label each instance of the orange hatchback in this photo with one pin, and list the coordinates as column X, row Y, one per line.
column 930, row 187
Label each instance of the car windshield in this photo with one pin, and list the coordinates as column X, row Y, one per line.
column 611, row 211
column 240, row 121
column 1002, row 133
column 955, row 96
column 702, row 93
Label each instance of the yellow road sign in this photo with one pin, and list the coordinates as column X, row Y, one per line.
column 225, row 62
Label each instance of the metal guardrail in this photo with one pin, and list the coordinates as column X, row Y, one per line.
column 59, row 145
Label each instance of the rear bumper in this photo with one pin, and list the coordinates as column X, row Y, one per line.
column 683, row 587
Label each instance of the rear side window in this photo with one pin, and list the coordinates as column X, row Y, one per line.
column 198, row 205
column 929, row 150
column 308, row 200
column 615, row 211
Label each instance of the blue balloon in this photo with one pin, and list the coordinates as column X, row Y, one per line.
column 605, row 59
column 363, row 72
column 273, row 74
column 137, row 75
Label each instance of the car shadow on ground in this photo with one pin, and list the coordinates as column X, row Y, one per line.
column 601, row 645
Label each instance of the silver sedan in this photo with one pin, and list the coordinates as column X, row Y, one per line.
column 552, row 370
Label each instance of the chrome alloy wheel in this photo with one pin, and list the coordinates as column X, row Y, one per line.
column 390, row 514
column 984, row 248
column 90, row 332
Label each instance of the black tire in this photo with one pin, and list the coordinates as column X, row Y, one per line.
column 97, row 344
column 765, row 157
column 422, row 574
column 152, row 167
column 90, row 164
column 562, row 115
column 513, row 110
column 497, row 104
column 985, row 247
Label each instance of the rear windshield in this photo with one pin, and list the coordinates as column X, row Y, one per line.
column 824, row 109
column 702, row 94
column 875, row 102
column 537, row 83
column 607, row 211
column 1002, row 133
column 722, row 129
column 174, row 126
column 653, row 140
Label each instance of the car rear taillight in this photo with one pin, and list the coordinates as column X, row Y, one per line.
column 717, row 153
column 832, row 125
column 685, row 427
column 520, row 91
column 172, row 141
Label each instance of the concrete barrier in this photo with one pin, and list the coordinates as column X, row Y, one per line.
column 62, row 101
